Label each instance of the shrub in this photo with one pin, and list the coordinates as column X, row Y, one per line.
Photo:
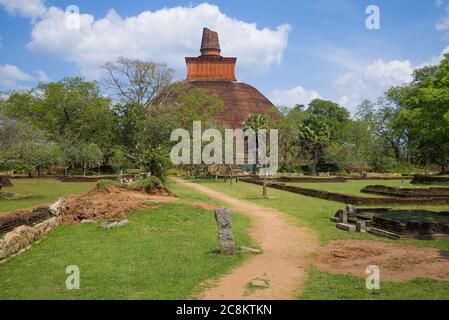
column 104, row 184
column 157, row 162
column 151, row 185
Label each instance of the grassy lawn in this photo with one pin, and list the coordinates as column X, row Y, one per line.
column 164, row 253
column 325, row 286
column 353, row 187
column 42, row 191
column 314, row 214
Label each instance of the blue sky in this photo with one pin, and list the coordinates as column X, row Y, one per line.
column 292, row 51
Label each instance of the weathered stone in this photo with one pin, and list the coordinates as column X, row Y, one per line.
column 346, row 227
column 7, row 195
column 257, row 283
column 114, row 224
column 225, row 237
column 23, row 236
column 249, row 250
column 57, row 208
column 87, row 221
column 350, row 210
column 342, row 216
column 361, row 226
column 384, row 233
column 335, row 219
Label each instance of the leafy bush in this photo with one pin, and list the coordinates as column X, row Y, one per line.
column 150, row 182
column 157, row 162
column 104, row 184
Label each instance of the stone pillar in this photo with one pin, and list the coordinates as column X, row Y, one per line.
column 361, row 226
column 350, row 210
column 342, row 216
column 225, row 237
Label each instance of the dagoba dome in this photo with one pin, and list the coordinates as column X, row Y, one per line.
column 216, row 74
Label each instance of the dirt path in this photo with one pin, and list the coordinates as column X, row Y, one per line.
column 288, row 251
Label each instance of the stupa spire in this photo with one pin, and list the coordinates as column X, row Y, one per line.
column 210, row 65
column 210, row 45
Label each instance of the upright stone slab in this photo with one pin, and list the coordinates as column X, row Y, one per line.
column 223, row 217
column 350, row 210
column 361, row 226
column 342, row 216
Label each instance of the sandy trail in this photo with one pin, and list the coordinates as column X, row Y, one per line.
column 288, row 251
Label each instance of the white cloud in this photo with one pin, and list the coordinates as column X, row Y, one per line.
column 24, row 8
column 166, row 35
column 12, row 72
column 435, row 59
column 12, row 78
column 291, row 97
column 372, row 80
column 443, row 24
column 41, row 76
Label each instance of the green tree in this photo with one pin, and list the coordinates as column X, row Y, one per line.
column 313, row 138
column 425, row 113
column 70, row 112
column 332, row 114
column 255, row 122
column 25, row 148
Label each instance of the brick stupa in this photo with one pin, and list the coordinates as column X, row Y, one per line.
column 216, row 74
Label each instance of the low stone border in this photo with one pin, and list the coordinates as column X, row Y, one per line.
column 391, row 227
column 23, row 236
column 89, row 178
column 311, row 179
column 422, row 179
column 8, row 223
column 349, row 199
column 407, row 192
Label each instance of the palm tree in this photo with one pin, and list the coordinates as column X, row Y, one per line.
column 257, row 122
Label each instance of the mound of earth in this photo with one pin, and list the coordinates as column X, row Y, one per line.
column 396, row 262
column 153, row 189
column 111, row 203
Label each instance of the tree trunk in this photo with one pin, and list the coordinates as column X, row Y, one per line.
column 313, row 168
column 264, row 188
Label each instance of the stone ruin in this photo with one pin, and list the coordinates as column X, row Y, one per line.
column 394, row 224
column 225, row 236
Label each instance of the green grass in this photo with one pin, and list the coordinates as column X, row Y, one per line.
column 41, row 191
column 311, row 212
column 325, row 286
column 315, row 213
column 164, row 253
column 353, row 187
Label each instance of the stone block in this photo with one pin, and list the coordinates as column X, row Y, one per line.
column 225, row 236
column 361, row 226
column 346, row 227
